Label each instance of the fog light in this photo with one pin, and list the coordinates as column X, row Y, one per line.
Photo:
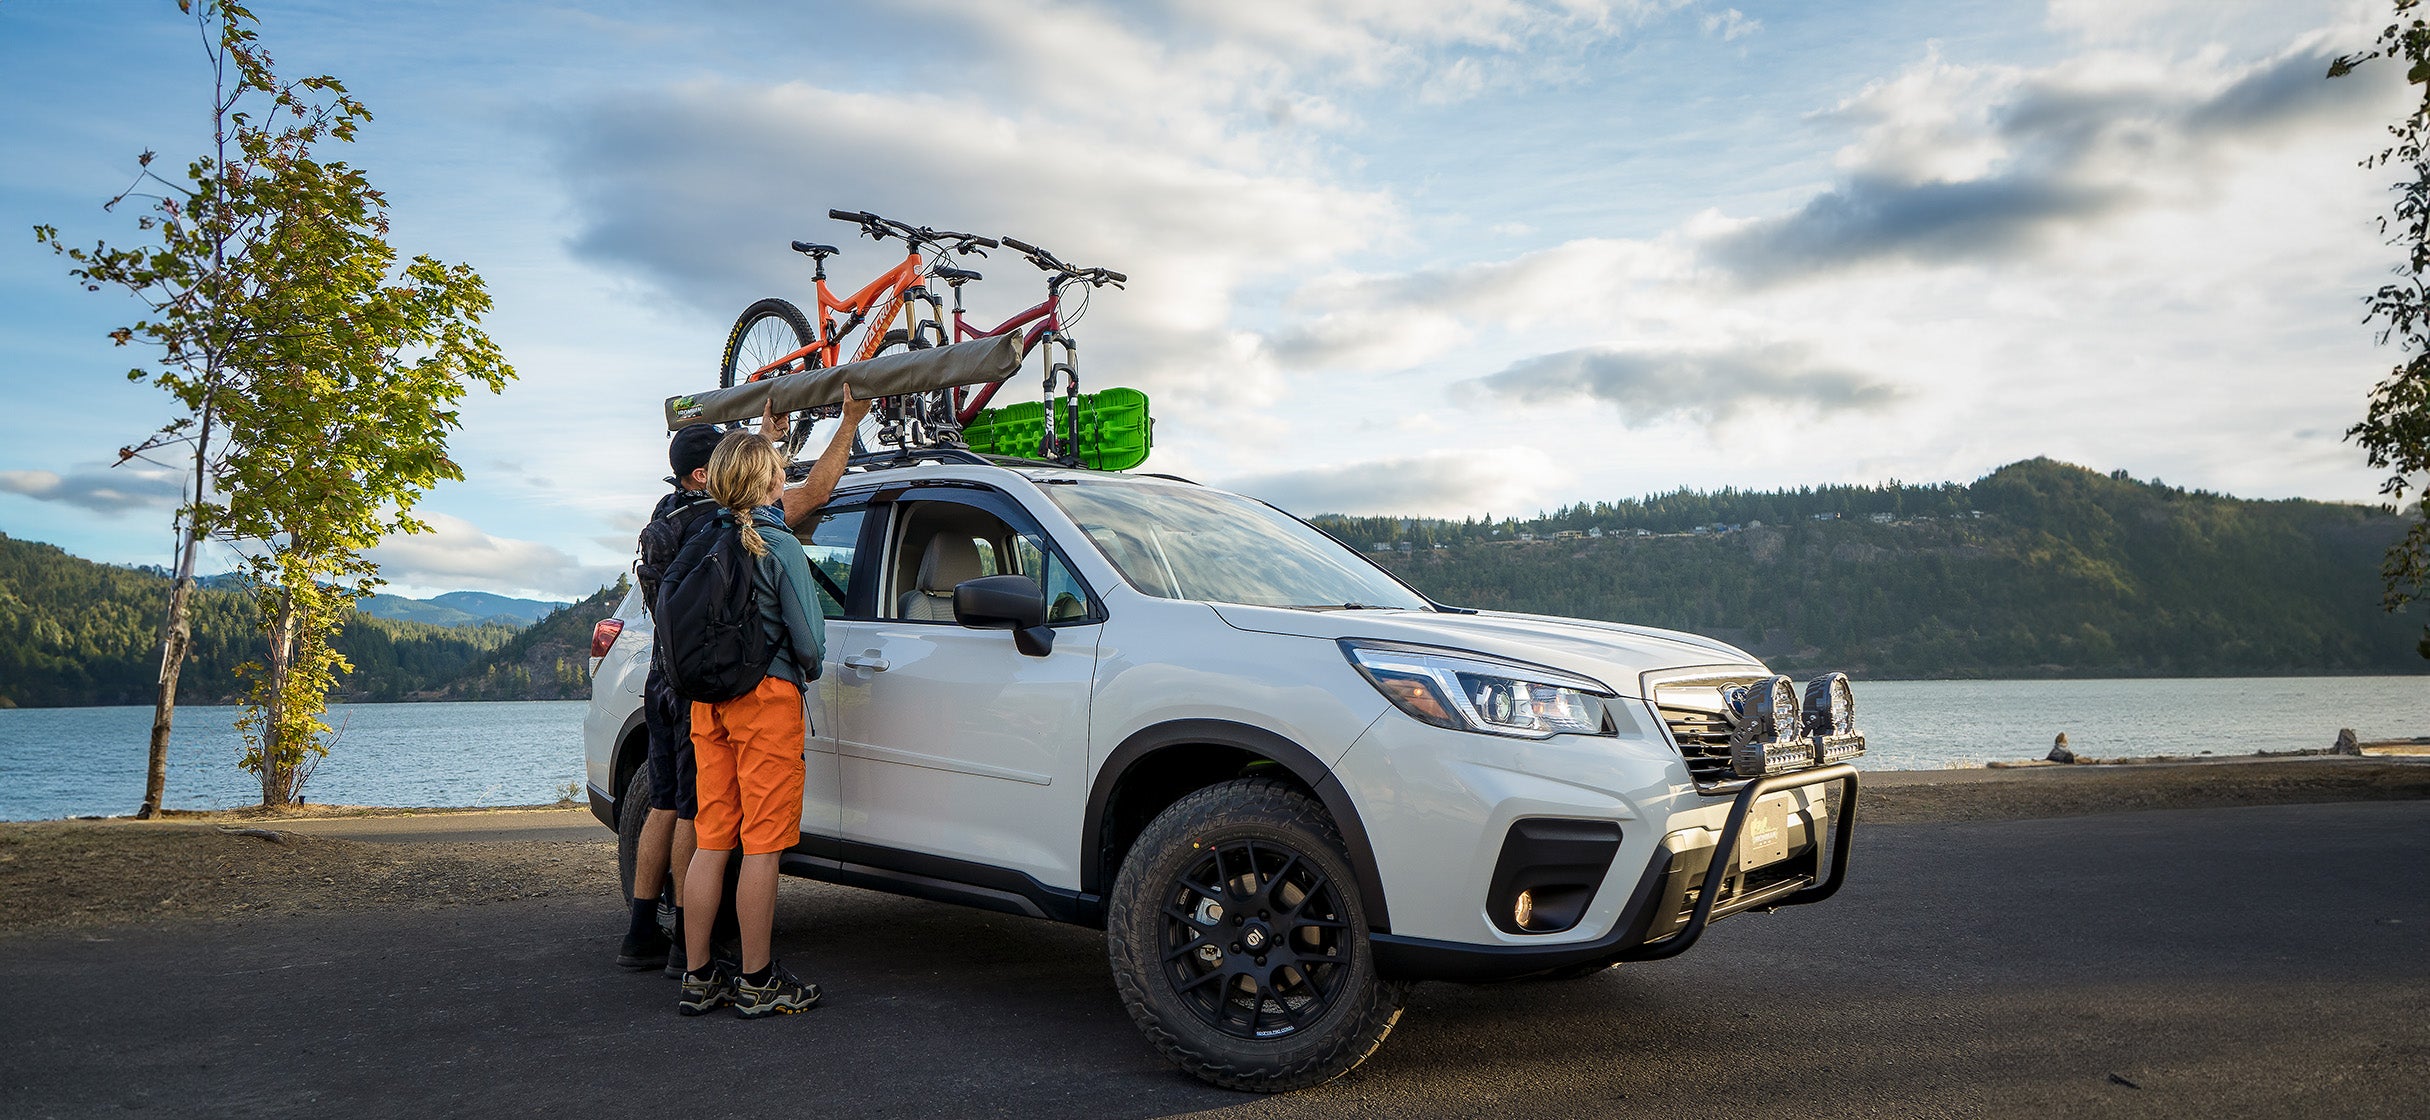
column 1524, row 913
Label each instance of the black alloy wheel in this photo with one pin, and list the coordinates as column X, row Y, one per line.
column 1238, row 940
column 1254, row 939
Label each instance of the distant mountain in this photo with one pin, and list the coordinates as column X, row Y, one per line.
column 459, row 608
column 76, row 633
column 2039, row 569
column 550, row 660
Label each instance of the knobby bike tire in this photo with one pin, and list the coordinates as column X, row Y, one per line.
column 735, row 364
column 751, row 345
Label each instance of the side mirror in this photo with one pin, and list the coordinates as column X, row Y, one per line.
column 1014, row 603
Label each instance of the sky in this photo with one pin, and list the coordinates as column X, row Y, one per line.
column 1387, row 256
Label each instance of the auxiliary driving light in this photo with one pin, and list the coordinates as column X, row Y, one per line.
column 1831, row 719
column 1830, row 706
column 1772, row 737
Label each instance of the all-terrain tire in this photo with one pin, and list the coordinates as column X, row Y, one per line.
column 1277, row 817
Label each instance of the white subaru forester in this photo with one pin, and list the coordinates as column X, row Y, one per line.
column 1283, row 782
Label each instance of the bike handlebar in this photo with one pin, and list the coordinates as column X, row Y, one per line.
column 1050, row 263
column 942, row 240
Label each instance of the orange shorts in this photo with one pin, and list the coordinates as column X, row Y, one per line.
column 748, row 752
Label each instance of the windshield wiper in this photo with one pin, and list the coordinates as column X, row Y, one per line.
column 1344, row 607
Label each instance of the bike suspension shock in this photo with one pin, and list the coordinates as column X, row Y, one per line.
column 1063, row 446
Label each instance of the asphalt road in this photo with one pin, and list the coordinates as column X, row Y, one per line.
column 2269, row 961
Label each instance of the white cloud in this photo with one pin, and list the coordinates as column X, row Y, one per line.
column 1731, row 24
column 1435, row 484
column 1711, row 386
column 457, row 555
column 108, row 492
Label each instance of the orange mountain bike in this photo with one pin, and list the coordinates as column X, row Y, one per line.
column 773, row 337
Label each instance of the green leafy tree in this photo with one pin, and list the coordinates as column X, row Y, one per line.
column 2395, row 432
column 317, row 376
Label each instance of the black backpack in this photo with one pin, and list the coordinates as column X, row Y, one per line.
column 663, row 537
column 710, row 640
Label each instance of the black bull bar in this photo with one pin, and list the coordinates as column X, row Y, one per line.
column 1725, row 854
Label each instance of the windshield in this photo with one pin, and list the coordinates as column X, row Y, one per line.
column 1181, row 542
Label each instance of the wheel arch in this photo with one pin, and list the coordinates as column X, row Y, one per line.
column 631, row 750
column 1162, row 763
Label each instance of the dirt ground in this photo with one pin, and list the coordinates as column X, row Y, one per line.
column 64, row 875
column 69, row 875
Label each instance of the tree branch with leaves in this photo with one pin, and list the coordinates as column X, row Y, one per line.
column 2395, row 431
column 316, row 377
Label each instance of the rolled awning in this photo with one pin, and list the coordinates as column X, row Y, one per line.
column 977, row 362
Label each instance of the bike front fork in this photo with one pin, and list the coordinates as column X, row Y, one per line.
column 1060, row 442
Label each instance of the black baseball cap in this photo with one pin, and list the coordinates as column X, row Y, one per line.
column 690, row 449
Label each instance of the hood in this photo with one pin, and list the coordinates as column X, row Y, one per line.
column 1610, row 652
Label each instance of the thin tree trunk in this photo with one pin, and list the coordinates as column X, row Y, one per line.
column 278, row 764
column 175, row 632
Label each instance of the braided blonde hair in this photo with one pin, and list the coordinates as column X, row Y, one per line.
column 738, row 479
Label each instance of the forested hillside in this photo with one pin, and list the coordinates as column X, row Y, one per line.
column 549, row 660
column 2038, row 569
column 73, row 632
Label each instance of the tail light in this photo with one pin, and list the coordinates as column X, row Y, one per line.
column 604, row 635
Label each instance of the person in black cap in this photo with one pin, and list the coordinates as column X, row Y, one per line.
column 666, row 835
column 668, row 839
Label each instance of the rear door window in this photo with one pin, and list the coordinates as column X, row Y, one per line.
column 832, row 542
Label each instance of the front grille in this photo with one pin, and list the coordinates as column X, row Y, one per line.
column 1704, row 741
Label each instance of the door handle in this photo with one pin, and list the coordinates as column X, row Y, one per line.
column 863, row 661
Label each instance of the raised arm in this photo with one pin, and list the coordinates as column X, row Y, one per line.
column 803, row 500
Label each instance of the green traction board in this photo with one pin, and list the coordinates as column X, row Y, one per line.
column 1114, row 429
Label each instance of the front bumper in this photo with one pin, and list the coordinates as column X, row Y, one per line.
column 1686, row 887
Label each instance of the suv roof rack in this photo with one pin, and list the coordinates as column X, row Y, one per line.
column 905, row 456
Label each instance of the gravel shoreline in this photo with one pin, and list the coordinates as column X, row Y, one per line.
column 237, row 866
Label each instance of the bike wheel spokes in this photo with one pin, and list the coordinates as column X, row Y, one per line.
column 769, row 340
column 767, row 331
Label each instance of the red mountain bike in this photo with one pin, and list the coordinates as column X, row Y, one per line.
column 1046, row 324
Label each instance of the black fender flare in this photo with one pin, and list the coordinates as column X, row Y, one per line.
column 628, row 746
column 1182, row 733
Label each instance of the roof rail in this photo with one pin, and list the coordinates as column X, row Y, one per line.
column 905, row 456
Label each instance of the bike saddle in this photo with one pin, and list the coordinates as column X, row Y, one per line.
column 949, row 272
column 815, row 250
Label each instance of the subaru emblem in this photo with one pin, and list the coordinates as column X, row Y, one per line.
column 1736, row 697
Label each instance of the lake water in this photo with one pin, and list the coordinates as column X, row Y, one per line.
column 58, row 762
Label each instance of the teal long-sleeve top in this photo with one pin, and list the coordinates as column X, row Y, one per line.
column 788, row 605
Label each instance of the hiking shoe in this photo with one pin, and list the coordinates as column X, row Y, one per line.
column 699, row 997
column 783, row 994
column 647, row 950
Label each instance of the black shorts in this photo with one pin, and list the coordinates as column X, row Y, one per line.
column 669, row 718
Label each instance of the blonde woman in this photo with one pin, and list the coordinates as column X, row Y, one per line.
column 748, row 750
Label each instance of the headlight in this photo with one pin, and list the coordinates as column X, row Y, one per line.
column 1472, row 692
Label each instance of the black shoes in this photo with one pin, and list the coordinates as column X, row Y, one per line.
column 783, row 994
column 647, row 950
